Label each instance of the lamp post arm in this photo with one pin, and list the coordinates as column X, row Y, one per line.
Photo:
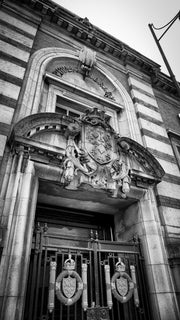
column 165, row 60
column 175, row 18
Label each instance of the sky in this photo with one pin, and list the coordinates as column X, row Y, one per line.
column 127, row 20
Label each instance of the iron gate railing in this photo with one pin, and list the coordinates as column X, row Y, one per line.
column 95, row 254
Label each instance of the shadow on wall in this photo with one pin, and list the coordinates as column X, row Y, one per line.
column 127, row 223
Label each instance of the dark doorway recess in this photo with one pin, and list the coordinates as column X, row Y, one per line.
column 88, row 238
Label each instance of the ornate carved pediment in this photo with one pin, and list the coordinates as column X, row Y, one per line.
column 89, row 153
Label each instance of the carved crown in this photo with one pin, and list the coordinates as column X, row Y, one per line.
column 120, row 266
column 69, row 264
column 96, row 117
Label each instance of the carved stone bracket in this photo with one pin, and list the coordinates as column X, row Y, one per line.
column 87, row 57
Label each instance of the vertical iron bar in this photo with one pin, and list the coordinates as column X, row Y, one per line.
column 38, row 277
column 43, row 282
column 143, row 287
column 100, row 278
column 109, row 262
column 129, row 305
column 111, row 273
column 82, row 311
column 54, row 289
column 75, row 306
column 117, row 303
column 111, row 232
column 35, row 261
column 91, row 278
column 112, row 310
column 68, row 312
column 32, row 289
column 61, row 305
column 96, row 278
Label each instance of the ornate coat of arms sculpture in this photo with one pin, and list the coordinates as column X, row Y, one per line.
column 94, row 157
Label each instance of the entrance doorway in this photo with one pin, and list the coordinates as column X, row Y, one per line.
column 87, row 239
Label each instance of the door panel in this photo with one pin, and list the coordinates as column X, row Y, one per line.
column 85, row 246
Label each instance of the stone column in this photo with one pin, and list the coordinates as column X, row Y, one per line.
column 8, row 200
column 142, row 219
column 162, row 294
column 21, row 234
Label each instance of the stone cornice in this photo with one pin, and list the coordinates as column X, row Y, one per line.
column 162, row 82
column 82, row 30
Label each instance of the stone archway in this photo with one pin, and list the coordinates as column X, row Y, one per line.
column 31, row 91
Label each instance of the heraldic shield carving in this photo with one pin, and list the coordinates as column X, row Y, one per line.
column 99, row 144
column 94, row 157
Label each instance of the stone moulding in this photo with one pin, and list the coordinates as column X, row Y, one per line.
column 64, row 69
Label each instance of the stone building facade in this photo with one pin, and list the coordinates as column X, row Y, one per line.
column 89, row 180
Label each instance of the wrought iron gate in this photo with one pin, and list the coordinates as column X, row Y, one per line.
column 53, row 249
